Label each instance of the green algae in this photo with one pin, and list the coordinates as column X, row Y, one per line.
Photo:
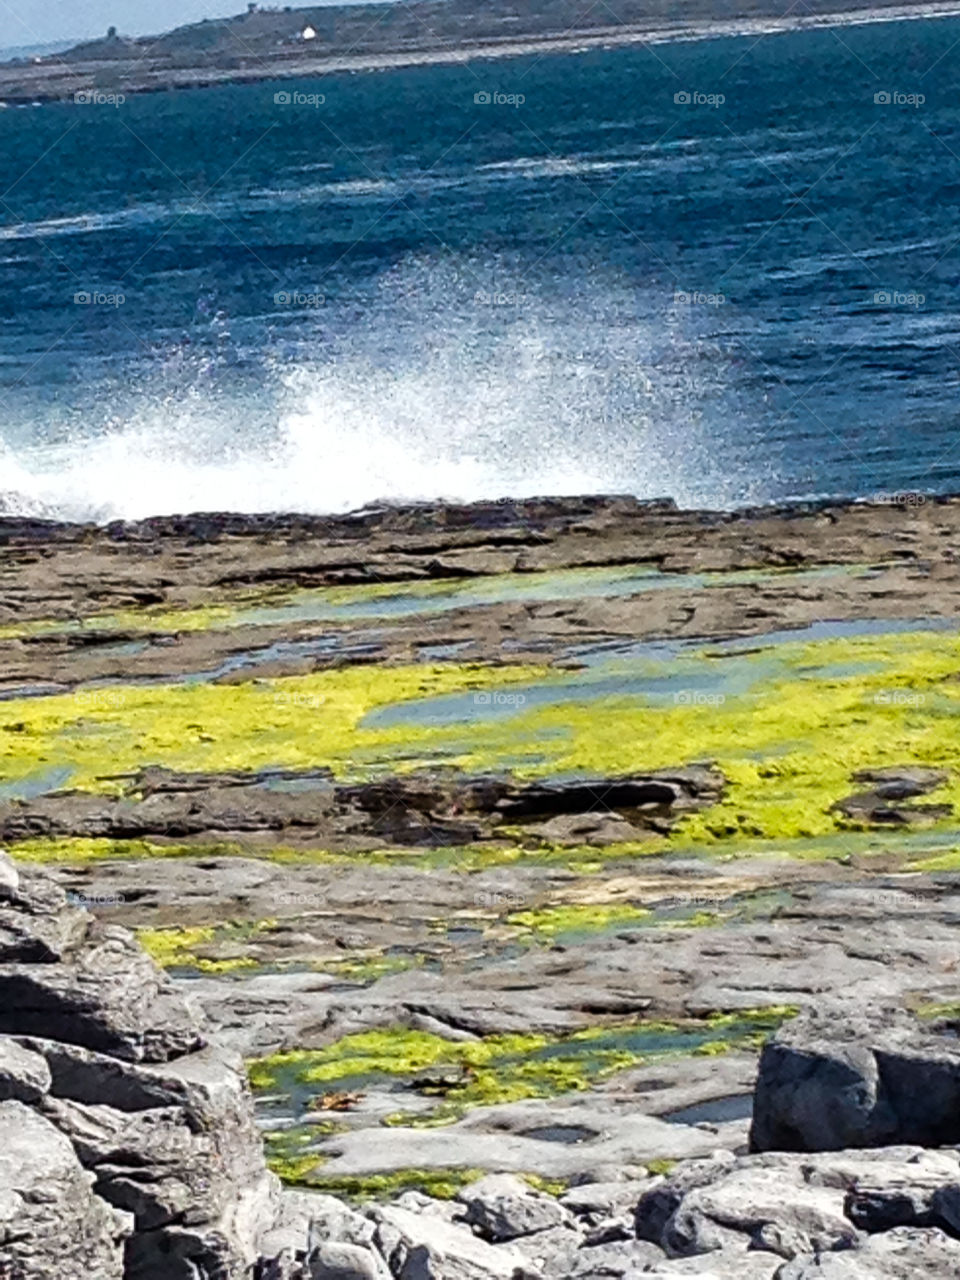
column 548, row 923
column 788, row 744
column 549, row 1186
column 932, row 1010
column 947, row 861
column 304, row 722
column 78, row 850
column 176, row 946
column 501, row 1068
column 367, row 968
column 441, row 1184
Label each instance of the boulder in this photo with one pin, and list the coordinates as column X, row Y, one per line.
column 52, row 1224
column 838, row 1077
column 427, row 1248
column 110, row 997
column 503, row 1207
column 24, row 1075
column 334, row 1261
column 902, row 1254
column 127, row 1148
column 744, row 1205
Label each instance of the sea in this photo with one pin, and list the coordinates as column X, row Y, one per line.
column 722, row 270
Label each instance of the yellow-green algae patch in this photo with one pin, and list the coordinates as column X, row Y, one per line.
column 550, row 922
column 301, row 722
column 441, row 1184
column 500, row 1068
column 180, row 947
column 788, row 743
column 464, row 1075
column 946, row 861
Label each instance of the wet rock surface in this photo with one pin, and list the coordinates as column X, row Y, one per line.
column 412, row 810
column 497, row 840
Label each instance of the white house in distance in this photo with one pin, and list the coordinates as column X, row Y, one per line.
column 308, row 33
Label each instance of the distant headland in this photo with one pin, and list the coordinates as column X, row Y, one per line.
column 277, row 43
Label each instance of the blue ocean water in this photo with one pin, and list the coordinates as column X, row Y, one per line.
column 419, row 287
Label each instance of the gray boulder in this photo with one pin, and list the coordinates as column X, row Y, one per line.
column 109, row 996
column 503, row 1207
column 839, row 1078
column 52, row 1224
column 421, row 1247
column 24, row 1076
column 745, row 1205
column 335, row 1261
column 126, row 1147
column 902, row 1254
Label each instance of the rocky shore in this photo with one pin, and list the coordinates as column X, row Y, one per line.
column 544, row 889
column 129, row 1150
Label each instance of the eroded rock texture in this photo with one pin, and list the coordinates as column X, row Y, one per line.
column 128, row 1146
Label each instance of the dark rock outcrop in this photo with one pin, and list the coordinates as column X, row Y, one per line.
column 837, row 1077
column 427, row 809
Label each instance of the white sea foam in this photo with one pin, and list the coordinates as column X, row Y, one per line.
column 434, row 393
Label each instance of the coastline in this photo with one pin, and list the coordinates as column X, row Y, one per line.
column 462, row 823
column 59, row 81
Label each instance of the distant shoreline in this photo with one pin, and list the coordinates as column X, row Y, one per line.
column 58, row 81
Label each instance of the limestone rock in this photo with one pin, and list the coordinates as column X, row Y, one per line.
column 9, row 876
column 902, row 1254
column 126, row 1148
column 333, row 1261
column 503, row 1207
column 426, row 1248
column 52, row 1225
column 24, row 1076
column 836, row 1077
column 110, row 997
